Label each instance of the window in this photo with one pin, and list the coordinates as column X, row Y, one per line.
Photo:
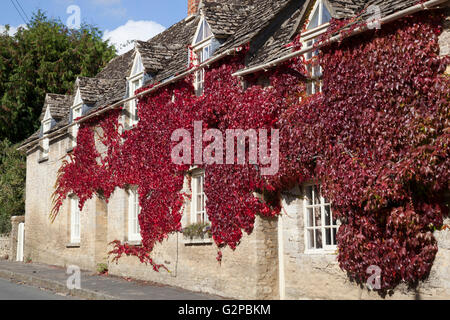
column 46, row 127
column 201, row 53
column 134, row 119
column 320, row 225
column 75, row 233
column 320, row 15
column 198, row 204
column 134, row 229
column 77, row 112
column 135, row 82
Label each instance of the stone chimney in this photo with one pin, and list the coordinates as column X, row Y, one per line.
column 193, row 6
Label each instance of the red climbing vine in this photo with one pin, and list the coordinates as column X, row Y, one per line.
column 376, row 139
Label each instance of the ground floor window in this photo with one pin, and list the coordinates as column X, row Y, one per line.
column 198, row 205
column 320, row 224
column 134, row 229
column 75, row 226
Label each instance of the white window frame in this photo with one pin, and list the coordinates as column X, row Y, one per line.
column 201, row 52
column 326, row 249
column 46, row 127
column 75, row 221
column 134, row 209
column 310, row 39
column 77, row 112
column 135, row 82
column 194, row 198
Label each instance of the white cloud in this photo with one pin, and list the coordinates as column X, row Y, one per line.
column 12, row 30
column 132, row 30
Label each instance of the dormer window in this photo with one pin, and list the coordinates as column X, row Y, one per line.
column 46, row 127
column 77, row 112
column 318, row 19
column 201, row 49
column 135, row 82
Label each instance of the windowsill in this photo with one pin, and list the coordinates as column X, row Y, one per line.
column 70, row 149
column 43, row 159
column 72, row 245
column 321, row 252
column 197, row 241
column 136, row 243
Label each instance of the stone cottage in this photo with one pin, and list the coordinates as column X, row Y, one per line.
column 284, row 258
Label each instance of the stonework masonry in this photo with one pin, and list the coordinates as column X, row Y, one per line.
column 268, row 264
column 4, row 246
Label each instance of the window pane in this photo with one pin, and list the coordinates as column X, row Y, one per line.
column 309, row 195
column 317, row 216
column 309, row 222
column 327, row 216
column 328, row 241
column 310, row 239
column 319, row 239
column 316, row 195
column 334, row 235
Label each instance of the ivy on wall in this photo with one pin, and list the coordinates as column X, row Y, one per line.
column 376, row 139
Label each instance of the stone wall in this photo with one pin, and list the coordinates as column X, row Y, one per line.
column 4, row 246
column 318, row 276
column 249, row 272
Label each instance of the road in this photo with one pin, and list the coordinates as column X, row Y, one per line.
column 13, row 291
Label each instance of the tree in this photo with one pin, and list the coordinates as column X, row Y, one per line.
column 12, row 184
column 45, row 57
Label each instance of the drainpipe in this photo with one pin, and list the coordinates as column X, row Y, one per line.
column 400, row 14
column 281, row 277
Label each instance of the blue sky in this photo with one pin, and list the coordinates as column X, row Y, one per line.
column 121, row 20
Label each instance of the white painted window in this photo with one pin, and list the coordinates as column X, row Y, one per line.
column 320, row 15
column 75, row 225
column 134, row 229
column 320, row 224
column 77, row 112
column 201, row 53
column 198, row 204
column 46, row 127
column 135, row 82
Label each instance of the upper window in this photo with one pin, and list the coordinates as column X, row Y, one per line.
column 135, row 82
column 201, row 53
column 77, row 112
column 320, row 224
column 320, row 15
column 198, row 204
column 75, row 226
column 134, row 209
column 46, row 127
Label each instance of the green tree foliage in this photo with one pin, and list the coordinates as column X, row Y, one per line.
column 12, row 184
column 45, row 57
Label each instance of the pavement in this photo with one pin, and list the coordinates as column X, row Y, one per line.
column 92, row 286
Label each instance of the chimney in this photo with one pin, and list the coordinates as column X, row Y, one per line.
column 193, row 6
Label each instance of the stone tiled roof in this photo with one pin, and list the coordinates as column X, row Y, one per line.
column 267, row 25
column 225, row 18
column 275, row 45
column 58, row 105
column 94, row 90
column 118, row 68
column 156, row 56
